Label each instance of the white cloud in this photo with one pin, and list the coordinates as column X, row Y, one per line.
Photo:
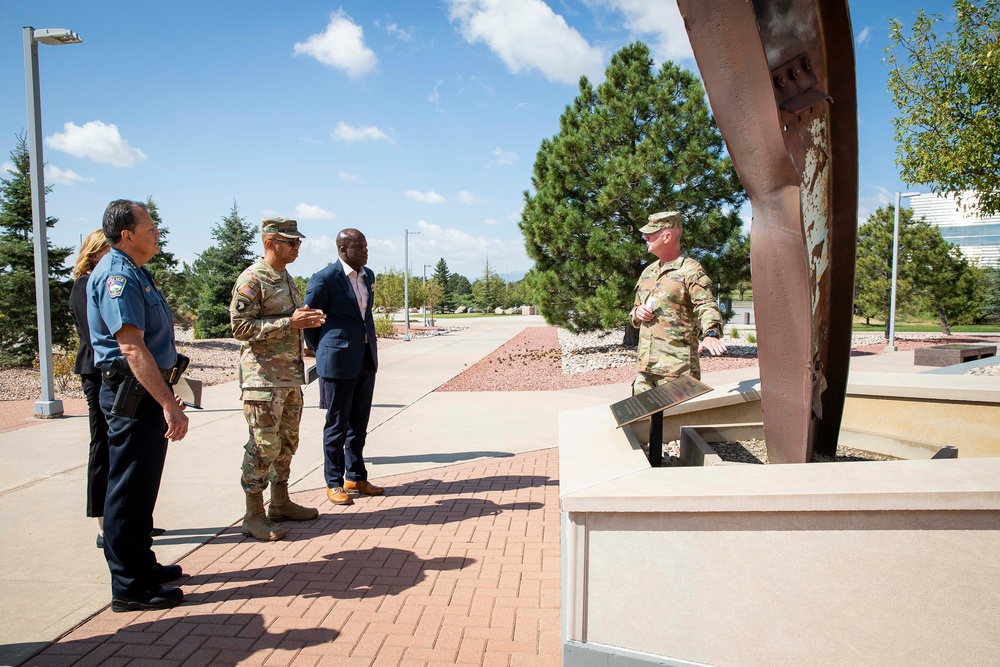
column 351, row 134
column 506, row 158
column 491, row 222
column 402, row 34
column 469, row 198
column 310, row 212
column 429, row 197
column 864, row 37
column 341, row 45
column 59, row 176
column 96, row 140
column 526, row 35
column 435, row 96
column 879, row 197
column 7, row 168
column 659, row 20
column 344, row 176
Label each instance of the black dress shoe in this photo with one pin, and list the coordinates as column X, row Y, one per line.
column 164, row 573
column 154, row 598
column 156, row 532
column 100, row 540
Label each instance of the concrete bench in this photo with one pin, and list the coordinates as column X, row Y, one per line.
column 956, row 353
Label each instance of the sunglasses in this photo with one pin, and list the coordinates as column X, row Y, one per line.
column 294, row 244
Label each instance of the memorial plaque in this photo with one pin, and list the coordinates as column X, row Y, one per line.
column 672, row 392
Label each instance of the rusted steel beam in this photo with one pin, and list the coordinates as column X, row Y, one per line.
column 780, row 78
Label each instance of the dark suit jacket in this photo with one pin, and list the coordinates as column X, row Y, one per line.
column 340, row 342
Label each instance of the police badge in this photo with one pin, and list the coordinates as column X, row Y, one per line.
column 115, row 285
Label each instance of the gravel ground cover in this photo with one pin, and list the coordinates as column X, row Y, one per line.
column 755, row 451
column 549, row 358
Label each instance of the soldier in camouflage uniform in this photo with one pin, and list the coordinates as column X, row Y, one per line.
column 674, row 308
column 267, row 317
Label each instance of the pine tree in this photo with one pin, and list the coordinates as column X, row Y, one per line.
column 216, row 270
column 488, row 291
column 441, row 275
column 163, row 266
column 641, row 142
column 19, row 315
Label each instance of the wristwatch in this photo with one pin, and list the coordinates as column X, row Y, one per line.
column 712, row 334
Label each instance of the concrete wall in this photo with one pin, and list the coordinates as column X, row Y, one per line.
column 803, row 588
column 865, row 563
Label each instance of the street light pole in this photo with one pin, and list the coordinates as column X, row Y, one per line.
column 891, row 346
column 406, row 283
column 49, row 406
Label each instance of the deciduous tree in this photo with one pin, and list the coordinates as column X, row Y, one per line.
column 932, row 276
column 947, row 90
column 643, row 141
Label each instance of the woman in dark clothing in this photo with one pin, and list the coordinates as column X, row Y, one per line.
column 93, row 248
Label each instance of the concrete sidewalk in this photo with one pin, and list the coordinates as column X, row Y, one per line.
column 52, row 576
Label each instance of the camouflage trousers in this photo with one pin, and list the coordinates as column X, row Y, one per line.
column 273, row 416
column 646, row 381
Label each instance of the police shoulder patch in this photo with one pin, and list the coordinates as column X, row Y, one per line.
column 115, row 285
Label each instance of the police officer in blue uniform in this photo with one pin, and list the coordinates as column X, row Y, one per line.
column 132, row 331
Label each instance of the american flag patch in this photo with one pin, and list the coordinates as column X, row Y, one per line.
column 248, row 292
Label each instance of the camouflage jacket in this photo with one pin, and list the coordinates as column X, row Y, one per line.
column 260, row 313
column 680, row 296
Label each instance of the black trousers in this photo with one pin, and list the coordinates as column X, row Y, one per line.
column 137, row 450
column 348, row 407
column 97, row 461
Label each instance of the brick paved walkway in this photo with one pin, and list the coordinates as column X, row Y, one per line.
column 20, row 414
column 457, row 565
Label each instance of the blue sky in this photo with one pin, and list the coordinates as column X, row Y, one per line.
column 421, row 115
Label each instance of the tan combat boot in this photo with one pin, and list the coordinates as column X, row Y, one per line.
column 256, row 523
column 283, row 509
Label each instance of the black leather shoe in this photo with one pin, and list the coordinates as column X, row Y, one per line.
column 100, row 540
column 156, row 532
column 154, row 598
column 164, row 573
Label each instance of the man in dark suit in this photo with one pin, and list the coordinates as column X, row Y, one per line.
column 346, row 359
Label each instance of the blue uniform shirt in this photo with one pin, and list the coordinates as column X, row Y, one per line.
column 118, row 293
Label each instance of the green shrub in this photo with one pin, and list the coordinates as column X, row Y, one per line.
column 751, row 338
column 385, row 327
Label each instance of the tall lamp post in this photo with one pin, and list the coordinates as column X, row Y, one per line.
column 406, row 283
column 891, row 347
column 48, row 406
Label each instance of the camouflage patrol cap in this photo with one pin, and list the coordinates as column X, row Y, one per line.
column 664, row 220
column 281, row 226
